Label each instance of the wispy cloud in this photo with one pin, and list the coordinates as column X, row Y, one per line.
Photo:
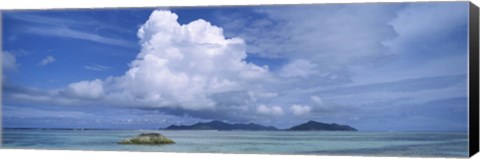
column 96, row 67
column 47, row 60
column 84, row 21
column 60, row 27
column 76, row 34
column 31, row 18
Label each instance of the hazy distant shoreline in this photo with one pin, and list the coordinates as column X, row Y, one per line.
column 224, row 126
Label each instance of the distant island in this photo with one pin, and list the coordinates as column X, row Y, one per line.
column 218, row 125
column 319, row 126
column 222, row 126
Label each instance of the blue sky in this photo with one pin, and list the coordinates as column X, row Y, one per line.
column 376, row 67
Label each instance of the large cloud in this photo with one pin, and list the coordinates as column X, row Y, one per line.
column 178, row 66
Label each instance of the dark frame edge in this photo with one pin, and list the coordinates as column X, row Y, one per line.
column 1, row 79
column 473, row 79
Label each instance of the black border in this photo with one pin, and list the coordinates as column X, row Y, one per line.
column 473, row 80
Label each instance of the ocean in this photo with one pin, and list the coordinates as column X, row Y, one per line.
column 401, row 144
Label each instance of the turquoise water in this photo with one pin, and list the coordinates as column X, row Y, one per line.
column 251, row 142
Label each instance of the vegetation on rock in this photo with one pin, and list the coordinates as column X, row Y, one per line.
column 148, row 139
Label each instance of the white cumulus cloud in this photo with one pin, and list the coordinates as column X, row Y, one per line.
column 86, row 89
column 178, row 66
column 300, row 109
column 47, row 60
column 273, row 110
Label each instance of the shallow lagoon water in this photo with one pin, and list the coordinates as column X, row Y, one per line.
column 418, row 144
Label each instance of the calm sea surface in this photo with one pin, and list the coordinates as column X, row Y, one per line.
column 416, row 144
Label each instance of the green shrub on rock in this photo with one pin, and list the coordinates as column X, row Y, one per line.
column 148, row 139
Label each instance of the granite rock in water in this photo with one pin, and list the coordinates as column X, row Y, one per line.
column 148, row 139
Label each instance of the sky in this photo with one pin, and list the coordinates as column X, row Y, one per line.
column 373, row 66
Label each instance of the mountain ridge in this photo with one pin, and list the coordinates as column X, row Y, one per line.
column 219, row 125
column 224, row 126
column 319, row 126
